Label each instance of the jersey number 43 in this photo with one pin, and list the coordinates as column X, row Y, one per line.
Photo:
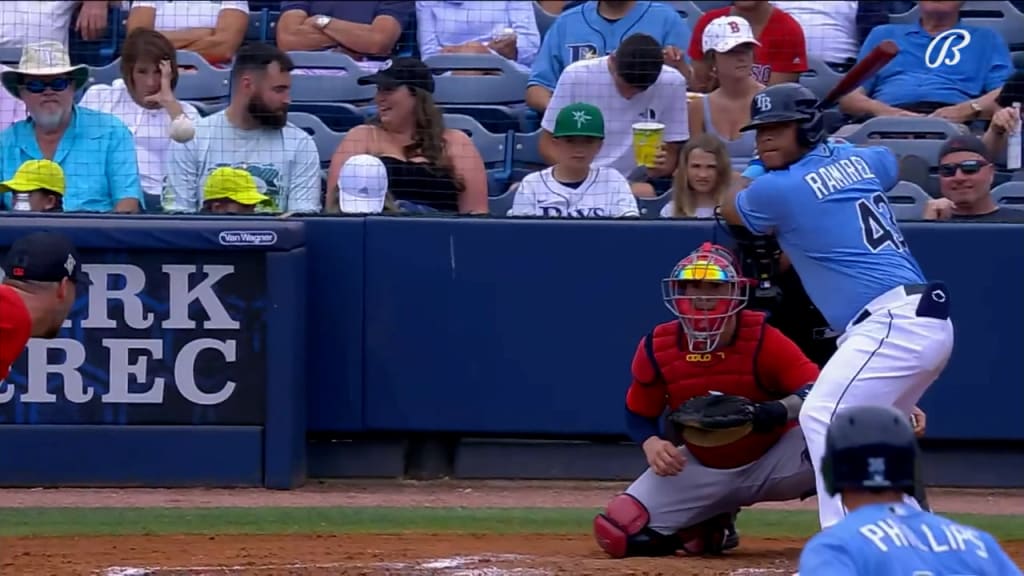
column 879, row 224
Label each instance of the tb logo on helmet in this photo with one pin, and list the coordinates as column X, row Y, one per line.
column 704, row 291
column 763, row 102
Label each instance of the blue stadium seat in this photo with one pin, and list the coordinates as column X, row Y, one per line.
column 690, row 11
column 257, row 30
column 272, row 18
column 500, row 205
column 906, row 136
column 543, row 18
column 205, row 83
column 1001, row 17
column 1018, row 59
column 207, row 108
column 334, row 87
column 10, row 55
column 820, row 77
column 526, row 156
column 485, row 98
column 907, row 200
column 105, row 74
column 650, row 208
column 1009, row 194
column 97, row 52
column 707, row 5
column 327, row 140
column 492, row 147
column 339, row 117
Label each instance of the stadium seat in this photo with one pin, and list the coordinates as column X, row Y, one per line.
column 650, row 208
column 914, row 169
column 205, row 83
column 257, row 30
column 10, row 55
column 905, row 136
column 339, row 117
column 543, row 18
column 526, row 156
column 105, row 74
column 492, row 148
column 907, row 200
column 332, row 87
column 1018, row 59
column 706, row 5
column 690, row 11
column 820, row 77
column 207, row 108
column 1009, row 194
column 1001, row 17
column 327, row 140
column 271, row 35
column 485, row 98
column 500, row 205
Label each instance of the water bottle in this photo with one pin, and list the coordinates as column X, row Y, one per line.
column 21, row 203
column 1013, row 144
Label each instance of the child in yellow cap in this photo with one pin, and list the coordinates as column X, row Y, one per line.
column 37, row 186
column 231, row 191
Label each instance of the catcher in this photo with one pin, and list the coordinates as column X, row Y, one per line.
column 735, row 386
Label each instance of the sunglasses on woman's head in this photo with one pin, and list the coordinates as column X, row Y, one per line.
column 37, row 86
column 968, row 167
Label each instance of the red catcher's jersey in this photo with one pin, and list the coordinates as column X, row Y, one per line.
column 15, row 328
column 759, row 363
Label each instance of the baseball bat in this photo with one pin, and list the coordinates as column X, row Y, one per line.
column 872, row 63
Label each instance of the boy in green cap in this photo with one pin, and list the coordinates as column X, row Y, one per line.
column 572, row 188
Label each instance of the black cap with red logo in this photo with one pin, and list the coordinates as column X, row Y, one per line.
column 44, row 257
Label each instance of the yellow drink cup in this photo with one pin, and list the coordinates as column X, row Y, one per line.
column 647, row 138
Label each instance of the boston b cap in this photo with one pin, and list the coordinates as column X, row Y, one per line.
column 44, row 257
column 727, row 32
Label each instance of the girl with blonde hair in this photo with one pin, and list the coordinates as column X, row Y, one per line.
column 702, row 176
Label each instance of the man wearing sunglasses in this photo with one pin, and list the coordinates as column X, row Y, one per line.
column 965, row 179
column 95, row 150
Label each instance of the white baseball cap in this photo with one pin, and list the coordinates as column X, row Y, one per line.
column 362, row 185
column 727, row 32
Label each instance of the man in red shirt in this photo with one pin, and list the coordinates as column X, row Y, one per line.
column 780, row 57
column 42, row 272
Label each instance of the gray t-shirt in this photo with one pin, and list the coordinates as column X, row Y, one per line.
column 284, row 162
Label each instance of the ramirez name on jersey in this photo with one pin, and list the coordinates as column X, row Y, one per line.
column 833, row 177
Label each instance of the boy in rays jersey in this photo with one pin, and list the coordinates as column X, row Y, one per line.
column 572, row 188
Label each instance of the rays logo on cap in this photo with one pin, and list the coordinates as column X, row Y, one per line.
column 69, row 265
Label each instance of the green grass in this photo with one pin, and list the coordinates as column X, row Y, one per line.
column 112, row 521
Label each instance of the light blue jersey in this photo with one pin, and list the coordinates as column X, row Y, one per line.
column 897, row 540
column 831, row 217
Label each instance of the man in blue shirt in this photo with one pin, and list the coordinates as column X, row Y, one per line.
column 596, row 29
column 95, row 150
column 362, row 29
column 870, row 462
column 944, row 68
column 827, row 207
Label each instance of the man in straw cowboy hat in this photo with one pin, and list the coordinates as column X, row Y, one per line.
column 95, row 150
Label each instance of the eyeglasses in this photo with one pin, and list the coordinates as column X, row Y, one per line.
column 968, row 167
column 37, row 86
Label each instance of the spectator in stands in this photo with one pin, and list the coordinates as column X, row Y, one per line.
column 728, row 45
column 143, row 98
column 781, row 54
column 945, row 68
column 94, row 149
column 426, row 163
column 232, row 191
column 214, row 30
column 24, row 23
column 703, row 175
column 253, row 134
column 507, row 29
column 1006, row 118
column 366, row 31
column 629, row 86
column 965, row 180
column 830, row 28
column 11, row 109
column 573, row 187
column 42, row 183
column 596, row 29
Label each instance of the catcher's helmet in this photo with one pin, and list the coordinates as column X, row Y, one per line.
column 704, row 315
column 870, row 448
column 788, row 102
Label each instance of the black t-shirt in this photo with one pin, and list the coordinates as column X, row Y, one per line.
column 1015, row 215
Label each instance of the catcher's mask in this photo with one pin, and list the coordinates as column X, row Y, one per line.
column 704, row 291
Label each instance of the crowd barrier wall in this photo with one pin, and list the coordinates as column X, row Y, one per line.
column 352, row 325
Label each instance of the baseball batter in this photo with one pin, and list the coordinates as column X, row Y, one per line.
column 41, row 273
column 686, row 499
column 870, row 462
column 827, row 207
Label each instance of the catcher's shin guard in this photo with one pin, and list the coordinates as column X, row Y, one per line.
column 622, row 531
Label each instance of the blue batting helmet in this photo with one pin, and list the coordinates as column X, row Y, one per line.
column 788, row 102
column 870, row 448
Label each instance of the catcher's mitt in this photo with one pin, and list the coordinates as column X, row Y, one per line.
column 715, row 419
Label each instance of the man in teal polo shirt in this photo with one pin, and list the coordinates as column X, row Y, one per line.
column 95, row 150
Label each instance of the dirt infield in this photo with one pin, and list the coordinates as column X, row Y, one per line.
column 418, row 554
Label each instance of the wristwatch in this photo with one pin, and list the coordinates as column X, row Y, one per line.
column 322, row 21
column 975, row 107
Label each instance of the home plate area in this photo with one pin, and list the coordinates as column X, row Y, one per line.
column 364, row 554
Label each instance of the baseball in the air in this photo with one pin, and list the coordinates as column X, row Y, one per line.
column 182, row 129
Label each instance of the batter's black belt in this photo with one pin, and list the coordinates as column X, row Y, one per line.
column 934, row 301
